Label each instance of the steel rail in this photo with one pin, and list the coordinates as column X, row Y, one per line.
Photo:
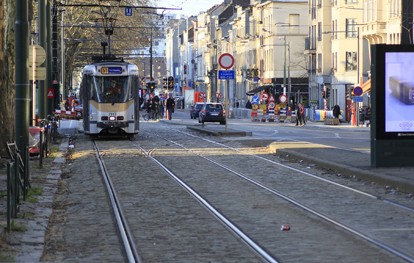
column 226, row 222
column 385, row 200
column 126, row 236
column 380, row 244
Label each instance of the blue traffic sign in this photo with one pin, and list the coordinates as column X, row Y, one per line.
column 226, row 74
column 128, row 11
column 358, row 91
column 255, row 99
column 358, row 99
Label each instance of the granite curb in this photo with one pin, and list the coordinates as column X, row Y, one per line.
column 361, row 170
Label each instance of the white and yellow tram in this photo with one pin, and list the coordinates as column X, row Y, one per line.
column 109, row 95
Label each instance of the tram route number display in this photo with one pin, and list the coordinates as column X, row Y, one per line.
column 111, row 70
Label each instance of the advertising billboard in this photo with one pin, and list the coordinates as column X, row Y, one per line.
column 392, row 99
column 394, row 78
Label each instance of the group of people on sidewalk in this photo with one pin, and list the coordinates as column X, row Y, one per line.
column 159, row 106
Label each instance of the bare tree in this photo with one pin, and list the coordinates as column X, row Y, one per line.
column 7, row 20
column 86, row 28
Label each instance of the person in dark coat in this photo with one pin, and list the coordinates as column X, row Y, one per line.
column 170, row 104
column 248, row 104
column 336, row 111
column 299, row 115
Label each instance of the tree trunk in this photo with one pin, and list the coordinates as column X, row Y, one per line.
column 7, row 21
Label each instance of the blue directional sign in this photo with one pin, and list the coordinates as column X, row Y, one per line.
column 128, row 11
column 358, row 99
column 255, row 99
column 226, row 74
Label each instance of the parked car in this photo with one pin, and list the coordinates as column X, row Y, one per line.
column 212, row 112
column 195, row 110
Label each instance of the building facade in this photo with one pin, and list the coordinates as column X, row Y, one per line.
column 314, row 52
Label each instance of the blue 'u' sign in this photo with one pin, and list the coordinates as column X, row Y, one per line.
column 128, row 11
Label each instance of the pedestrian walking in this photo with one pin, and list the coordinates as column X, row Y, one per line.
column 336, row 111
column 302, row 114
column 298, row 115
column 161, row 105
column 248, row 104
column 170, row 104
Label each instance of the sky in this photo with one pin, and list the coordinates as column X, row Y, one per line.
column 189, row 7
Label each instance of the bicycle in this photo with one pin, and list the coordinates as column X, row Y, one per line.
column 151, row 115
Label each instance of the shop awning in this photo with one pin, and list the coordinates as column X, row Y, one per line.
column 366, row 86
column 257, row 90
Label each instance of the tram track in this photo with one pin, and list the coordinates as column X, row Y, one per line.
column 367, row 194
column 361, row 234
column 164, row 152
column 119, row 217
column 143, row 232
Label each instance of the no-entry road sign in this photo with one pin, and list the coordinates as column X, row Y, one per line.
column 226, row 61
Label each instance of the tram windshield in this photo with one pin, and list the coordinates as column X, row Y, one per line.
column 116, row 89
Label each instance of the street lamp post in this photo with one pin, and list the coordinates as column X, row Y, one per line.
column 62, row 58
column 284, row 64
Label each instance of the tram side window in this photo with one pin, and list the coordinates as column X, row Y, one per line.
column 92, row 87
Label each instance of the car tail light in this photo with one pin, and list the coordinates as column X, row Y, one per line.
column 104, row 118
column 120, row 118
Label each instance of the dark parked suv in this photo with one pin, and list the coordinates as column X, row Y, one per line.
column 195, row 110
column 212, row 112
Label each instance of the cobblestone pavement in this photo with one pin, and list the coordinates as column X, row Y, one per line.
column 72, row 195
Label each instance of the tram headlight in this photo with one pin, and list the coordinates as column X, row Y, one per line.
column 112, row 118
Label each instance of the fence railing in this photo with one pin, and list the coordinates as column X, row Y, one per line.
column 18, row 183
column 18, row 179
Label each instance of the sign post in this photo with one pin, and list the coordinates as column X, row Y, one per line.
column 357, row 99
column 226, row 61
column 37, row 55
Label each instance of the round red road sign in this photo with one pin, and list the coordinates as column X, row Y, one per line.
column 226, row 61
column 264, row 96
column 358, row 91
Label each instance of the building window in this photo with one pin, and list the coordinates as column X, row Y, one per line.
column 351, row 30
column 319, row 31
column 351, row 1
column 351, row 61
column 319, row 63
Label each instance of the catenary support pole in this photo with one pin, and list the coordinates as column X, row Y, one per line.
column 42, row 42
column 22, row 85
column 48, row 49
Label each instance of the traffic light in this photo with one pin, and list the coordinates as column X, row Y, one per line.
column 211, row 73
column 151, row 86
column 249, row 74
column 324, row 92
column 165, row 83
column 170, row 83
column 255, row 72
column 328, row 92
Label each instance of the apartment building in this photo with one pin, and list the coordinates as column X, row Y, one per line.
column 314, row 51
column 340, row 35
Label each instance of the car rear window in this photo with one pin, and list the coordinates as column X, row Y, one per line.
column 214, row 106
column 198, row 106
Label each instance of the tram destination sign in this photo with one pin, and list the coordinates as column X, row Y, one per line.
column 111, row 70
